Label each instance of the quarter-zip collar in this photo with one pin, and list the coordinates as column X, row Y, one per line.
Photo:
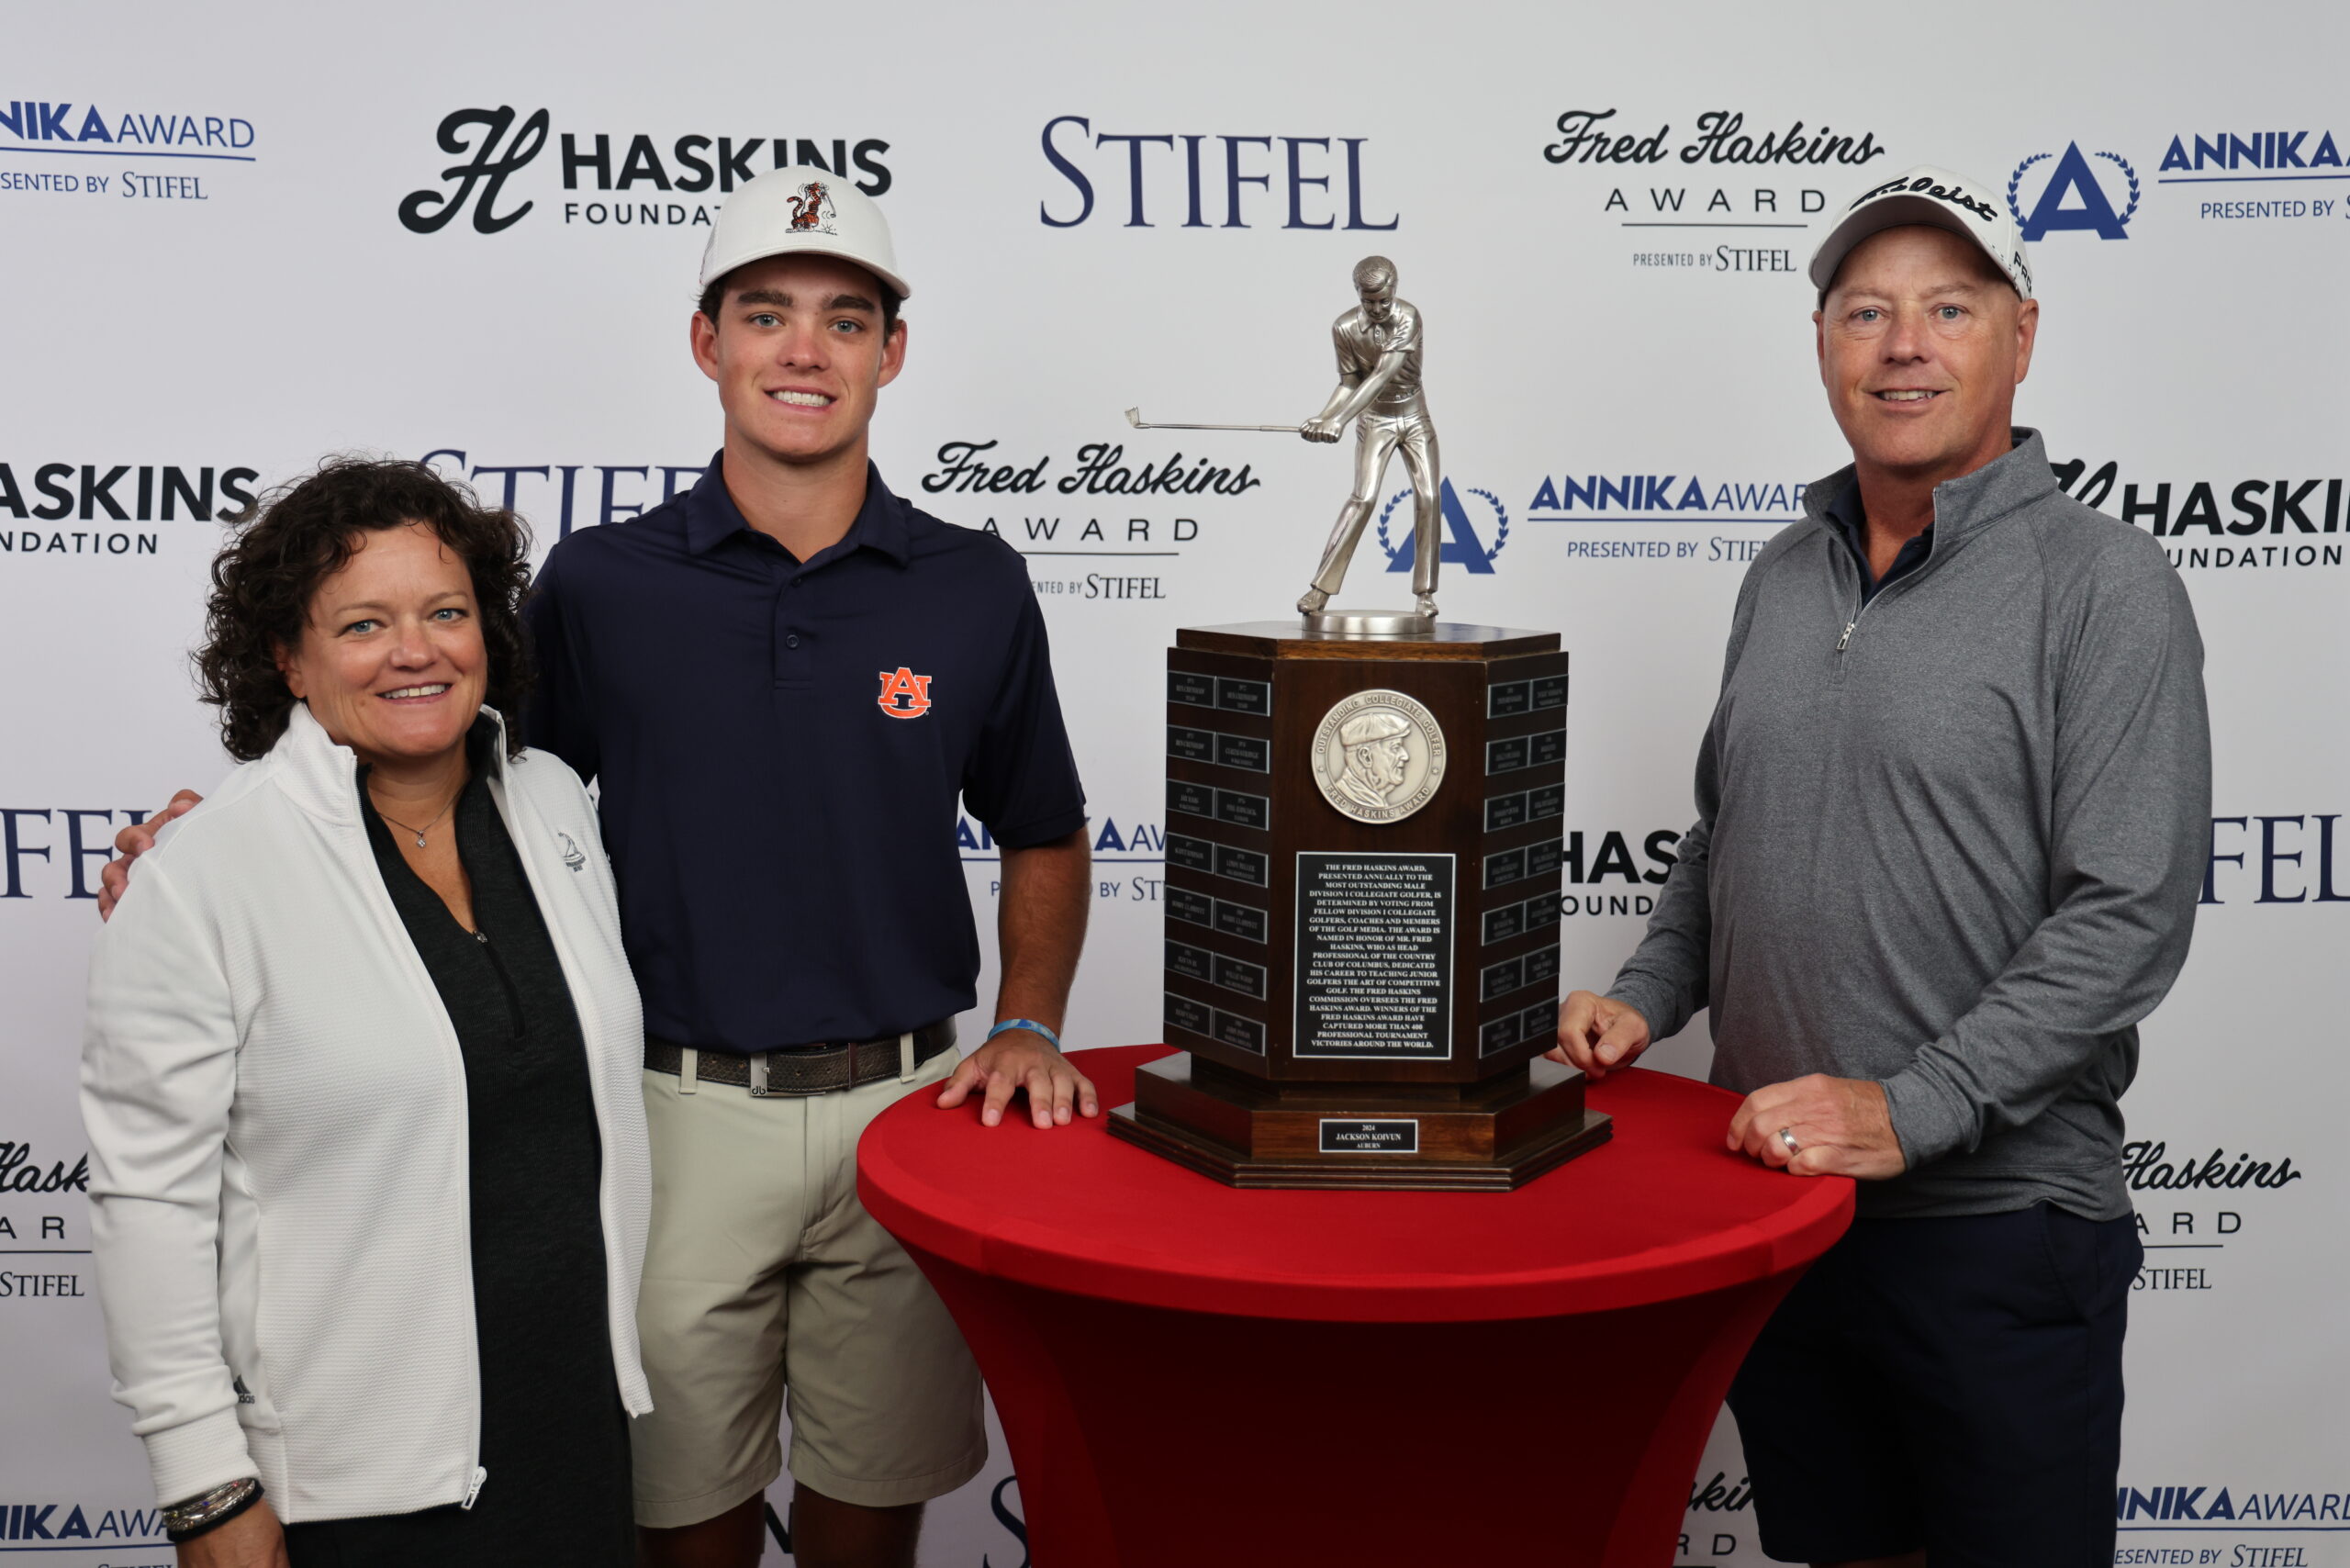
column 1963, row 506
column 322, row 778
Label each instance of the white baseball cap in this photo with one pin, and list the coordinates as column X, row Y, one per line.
column 1929, row 196
column 801, row 209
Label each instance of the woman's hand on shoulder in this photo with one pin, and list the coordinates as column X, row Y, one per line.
column 253, row 1540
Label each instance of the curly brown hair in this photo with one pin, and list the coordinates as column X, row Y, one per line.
column 296, row 537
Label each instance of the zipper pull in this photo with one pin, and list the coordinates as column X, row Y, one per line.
column 474, row 1490
column 1848, row 634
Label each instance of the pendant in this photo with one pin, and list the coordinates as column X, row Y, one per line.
column 420, row 841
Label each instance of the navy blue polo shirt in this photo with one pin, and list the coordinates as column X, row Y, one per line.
column 1853, row 526
column 779, row 746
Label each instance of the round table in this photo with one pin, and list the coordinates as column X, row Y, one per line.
column 1191, row 1375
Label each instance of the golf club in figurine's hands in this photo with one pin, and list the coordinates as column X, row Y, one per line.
column 1377, row 345
column 1133, row 418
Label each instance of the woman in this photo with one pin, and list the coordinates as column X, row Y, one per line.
column 361, row 1075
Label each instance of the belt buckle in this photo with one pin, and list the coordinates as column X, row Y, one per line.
column 759, row 1084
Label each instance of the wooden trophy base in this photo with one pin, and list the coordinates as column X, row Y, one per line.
column 1246, row 1132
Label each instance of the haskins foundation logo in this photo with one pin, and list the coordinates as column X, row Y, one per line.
column 1593, row 864
column 49, row 510
column 639, row 180
column 2260, row 523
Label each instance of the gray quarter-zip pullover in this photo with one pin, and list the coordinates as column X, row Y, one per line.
column 1952, row 840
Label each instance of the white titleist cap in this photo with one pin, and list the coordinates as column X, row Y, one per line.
column 787, row 211
column 1929, row 196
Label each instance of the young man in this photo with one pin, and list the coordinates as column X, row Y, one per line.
column 1952, row 823
column 792, row 646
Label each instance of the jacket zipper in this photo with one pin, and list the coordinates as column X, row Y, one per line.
column 1853, row 624
column 1861, row 610
column 387, row 914
column 523, row 831
column 513, row 997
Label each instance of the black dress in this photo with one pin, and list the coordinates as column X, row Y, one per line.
column 554, row 1434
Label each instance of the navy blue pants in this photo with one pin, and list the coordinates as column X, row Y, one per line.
column 1949, row 1384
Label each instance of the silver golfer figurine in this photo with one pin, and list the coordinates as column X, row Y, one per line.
column 1379, row 388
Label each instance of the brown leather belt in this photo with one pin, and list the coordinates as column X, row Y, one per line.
column 801, row 1070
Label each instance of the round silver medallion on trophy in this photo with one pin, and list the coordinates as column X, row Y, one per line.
column 1378, row 757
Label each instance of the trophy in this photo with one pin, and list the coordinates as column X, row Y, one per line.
column 1364, row 816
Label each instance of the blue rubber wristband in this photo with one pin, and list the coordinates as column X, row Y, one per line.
column 1028, row 1023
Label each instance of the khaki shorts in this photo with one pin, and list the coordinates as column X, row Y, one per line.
column 763, row 1273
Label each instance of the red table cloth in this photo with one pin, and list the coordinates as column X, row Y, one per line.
column 1191, row 1375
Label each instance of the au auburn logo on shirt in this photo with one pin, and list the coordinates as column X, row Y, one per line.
column 904, row 694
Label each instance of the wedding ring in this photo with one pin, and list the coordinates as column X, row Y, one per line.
column 1787, row 1136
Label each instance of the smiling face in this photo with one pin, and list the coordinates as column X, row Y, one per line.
column 1921, row 345
column 391, row 660
column 800, row 357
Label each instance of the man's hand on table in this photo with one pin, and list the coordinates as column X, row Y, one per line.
column 1597, row 1033
column 1841, row 1127
column 1016, row 1061
column 130, row 844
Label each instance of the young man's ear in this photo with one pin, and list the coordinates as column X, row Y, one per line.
column 701, row 340
column 893, row 352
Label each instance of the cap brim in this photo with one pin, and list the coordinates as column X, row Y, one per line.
column 1887, row 212
column 719, row 266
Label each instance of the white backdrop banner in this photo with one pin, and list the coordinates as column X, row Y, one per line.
column 241, row 236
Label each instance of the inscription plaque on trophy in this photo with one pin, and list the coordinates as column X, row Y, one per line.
column 1374, row 956
column 1362, row 954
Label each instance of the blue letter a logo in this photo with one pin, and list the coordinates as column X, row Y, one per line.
column 1461, row 546
column 2072, row 178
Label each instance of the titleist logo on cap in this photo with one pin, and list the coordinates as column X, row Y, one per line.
column 1923, row 185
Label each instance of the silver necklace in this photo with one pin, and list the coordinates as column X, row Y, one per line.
column 419, row 831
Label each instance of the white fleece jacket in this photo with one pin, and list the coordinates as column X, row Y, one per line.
column 276, row 1113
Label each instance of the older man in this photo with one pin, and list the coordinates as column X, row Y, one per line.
column 1953, row 811
column 1377, row 755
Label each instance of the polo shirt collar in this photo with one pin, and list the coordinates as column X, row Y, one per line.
column 712, row 518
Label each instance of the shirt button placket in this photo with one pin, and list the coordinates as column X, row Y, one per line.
column 790, row 665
